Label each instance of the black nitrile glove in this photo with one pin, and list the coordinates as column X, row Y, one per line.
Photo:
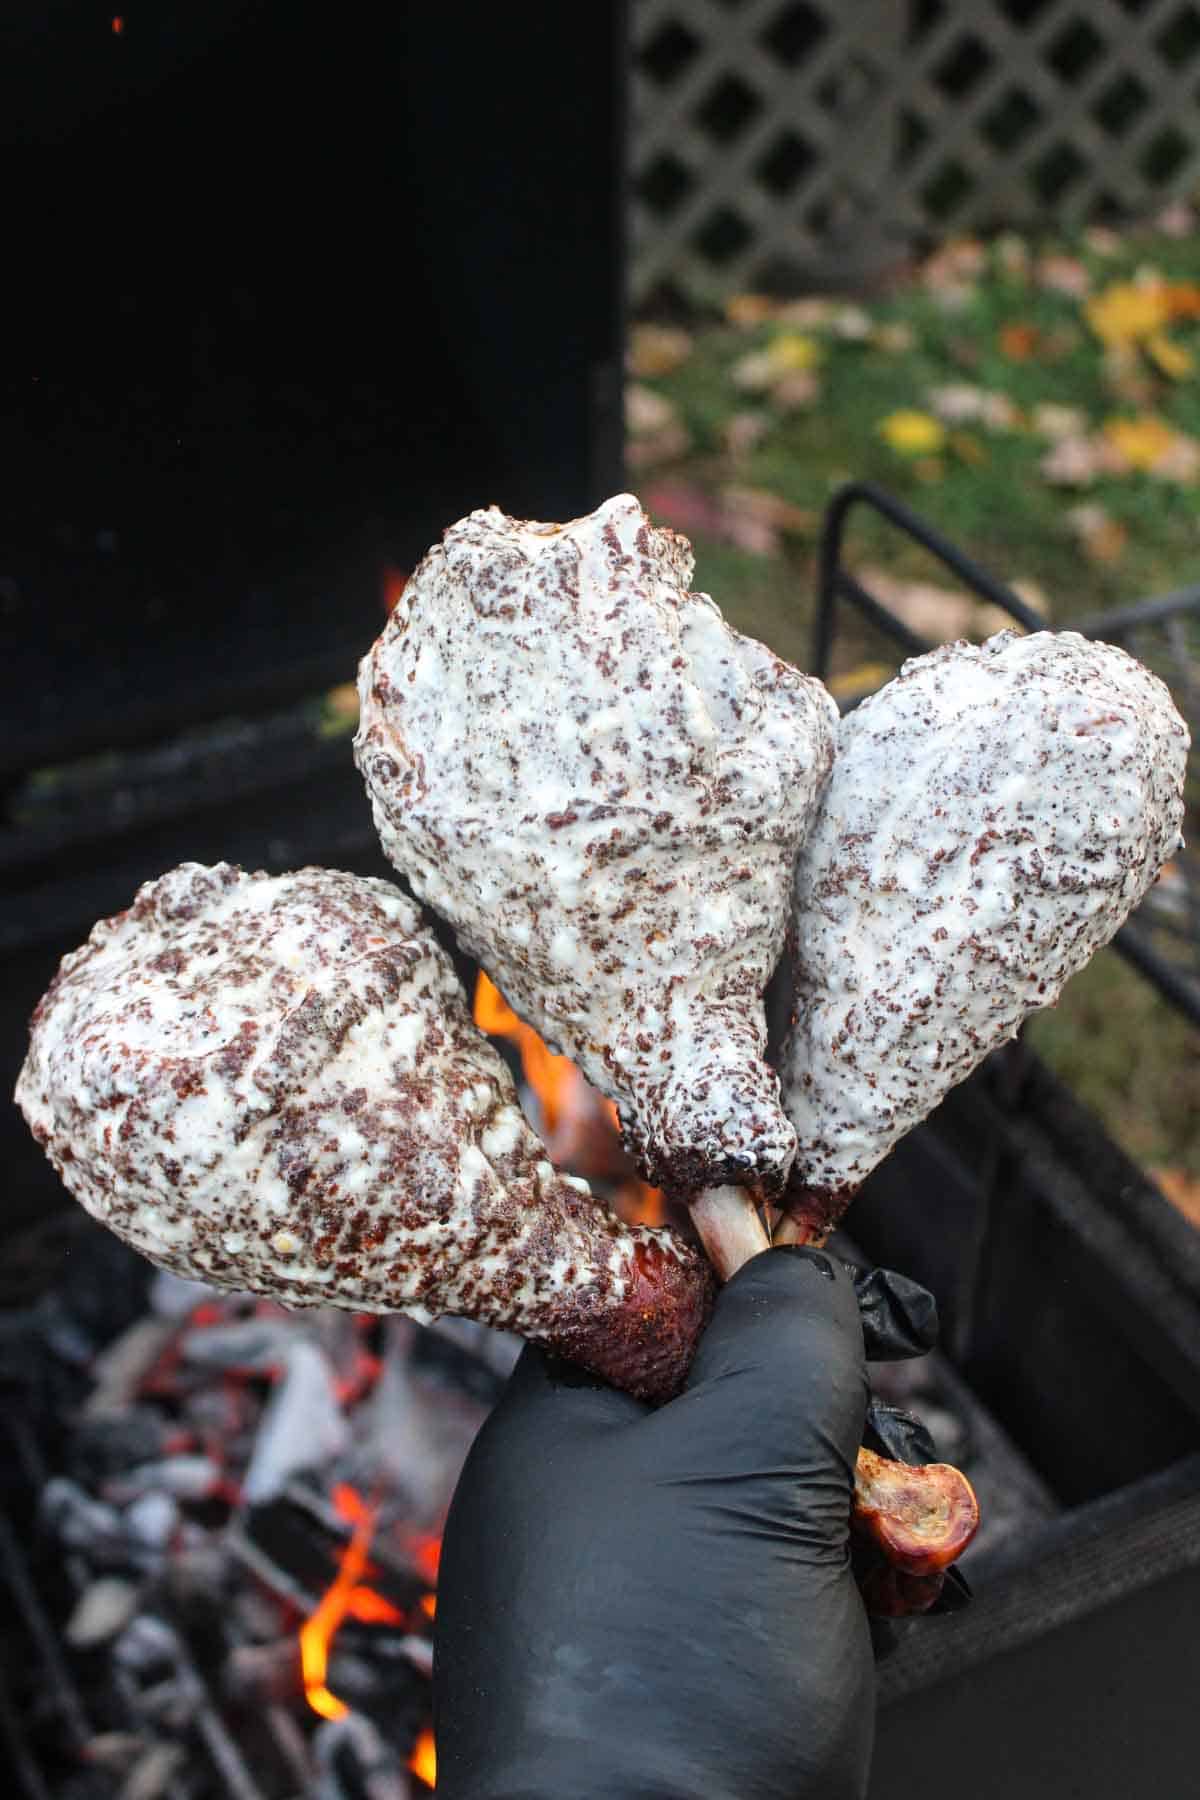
column 660, row 1604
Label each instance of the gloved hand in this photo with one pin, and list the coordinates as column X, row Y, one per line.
column 660, row 1604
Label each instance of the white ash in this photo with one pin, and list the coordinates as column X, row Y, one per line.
column 994, row 815
column 602, row 786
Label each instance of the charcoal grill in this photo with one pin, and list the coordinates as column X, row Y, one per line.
column 1070, row 1299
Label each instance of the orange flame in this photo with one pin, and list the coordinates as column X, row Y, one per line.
column 569, row 1106
column 344, row 1595
column 423, row 1761
column 551, row 1077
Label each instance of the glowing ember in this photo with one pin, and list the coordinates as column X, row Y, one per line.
column 581, row 1128
column 317, row 1631
column 423, row 1761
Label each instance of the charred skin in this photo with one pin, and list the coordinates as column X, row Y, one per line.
column 922, row 1518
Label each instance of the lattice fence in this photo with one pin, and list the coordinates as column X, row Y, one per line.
column 782, row 141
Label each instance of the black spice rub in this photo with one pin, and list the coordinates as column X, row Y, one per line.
column 272, row 1083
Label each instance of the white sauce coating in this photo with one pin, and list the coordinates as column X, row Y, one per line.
column 271, row 1082
column 577, row 762
column 994, row 814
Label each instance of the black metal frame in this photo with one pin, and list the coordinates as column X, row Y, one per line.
column 836, row 583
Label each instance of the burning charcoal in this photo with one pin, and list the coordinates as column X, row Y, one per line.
column 603, row 787
column 102, row 1611
column 354, row 1760
column 255, row 1346
column 104, row 1443
column 272, row 1082
column 149, row 1645
column 154, row 1773
column 418, row 1430
column 118, row 1372
column 183, row 1477
column 81, row 1523
column 264, row 1672
column 303, row 1426
column 152, row 1519
column 994, row 815
column 117, row 1750
column 174, row 1297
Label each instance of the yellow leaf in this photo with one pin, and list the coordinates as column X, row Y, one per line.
column 792, row 351
column 1126, row 311
column 859, row 681
column 912, row 433
column 1168, row 356
column 1141, row 442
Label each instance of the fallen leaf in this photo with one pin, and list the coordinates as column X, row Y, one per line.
column 1101, row 537
column 753, row 373
column 1127, row 377
column 646, row 410
column 894, row 336
column 657, row 349
column 1019, row 342
column 1139, row 443
column 808, row 314
column 796, row 391
column 912, row 433
column 793, row 350
column 932, row 611
column 656, row 434
column 859, row 681
column 1168, row 356
column 1063, row 275
column 1101, row 240
column 771, row 509
column 1182, row 299
column 1012, row 253
column 1049, row 420
column 1073, row 462
column 743, row 432
column 852, row 323
column 1126, row 311
column 958, row 403
column 1180, row 462
column 748, row 310
column 1177, row 220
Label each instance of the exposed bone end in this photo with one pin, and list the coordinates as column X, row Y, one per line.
column 811, row 1213
column 646, row 1344
column 891, row 1593
column 921, row 1518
